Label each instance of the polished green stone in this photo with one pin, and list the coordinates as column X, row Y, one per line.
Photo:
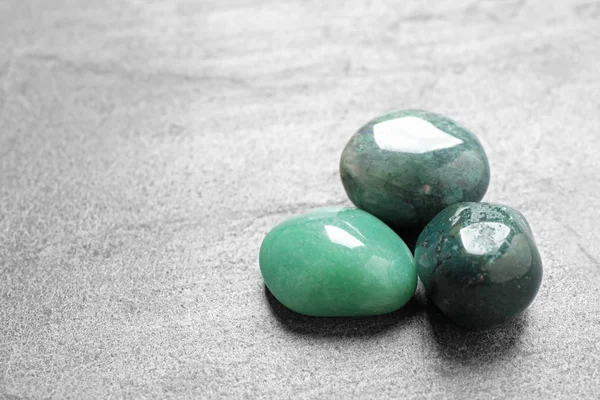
column 407, row 166
column 337, row 261
column 479, row 263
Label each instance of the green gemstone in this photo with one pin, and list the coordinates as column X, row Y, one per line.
column 336, row 262
column 479, row 263
column 407, row 166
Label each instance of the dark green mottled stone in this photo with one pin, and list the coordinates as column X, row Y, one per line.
column 337, row 262
column 407, row 166
column 479, row 263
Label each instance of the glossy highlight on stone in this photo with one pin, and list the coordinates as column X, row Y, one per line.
column 406, row 166
column 337, row 261
column 479, row 263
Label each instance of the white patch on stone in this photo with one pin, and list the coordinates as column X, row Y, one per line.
column 412, row 135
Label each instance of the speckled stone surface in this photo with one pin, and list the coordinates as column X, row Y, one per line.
column 479, row 263
column 338, row 262
column 406, row 166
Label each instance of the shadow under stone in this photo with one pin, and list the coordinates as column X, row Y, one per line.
column 476, row 347
column 409, row 235
column 340, row 327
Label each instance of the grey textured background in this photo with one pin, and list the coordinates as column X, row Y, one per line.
column 146, row 147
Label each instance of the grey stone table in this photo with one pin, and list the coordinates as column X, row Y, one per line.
column 146, row 147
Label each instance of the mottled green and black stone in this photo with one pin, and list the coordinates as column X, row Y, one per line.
column 479, row 263
column 406, row 166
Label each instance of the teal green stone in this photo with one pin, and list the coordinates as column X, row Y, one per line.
column 337, row 262
column 406, row 166
column 479, row 263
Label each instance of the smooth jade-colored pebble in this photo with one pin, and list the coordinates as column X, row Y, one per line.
column 337, row 261
column 479, row 263
column 406, row 166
